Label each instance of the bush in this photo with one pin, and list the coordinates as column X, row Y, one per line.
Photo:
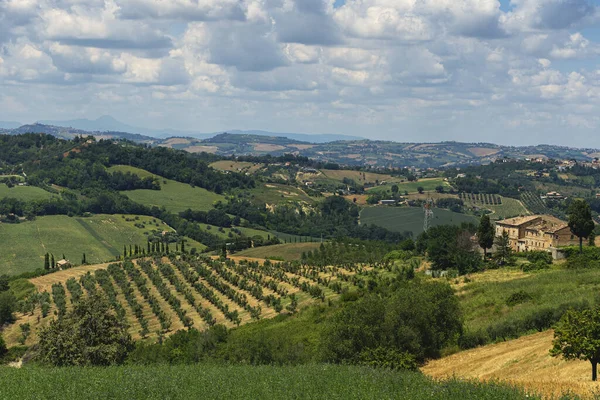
column 3, row 349
column 388, row 358
column 584, row 260
column 542, row 256
column 518, row 298
column 537, row 266
column 470, row 340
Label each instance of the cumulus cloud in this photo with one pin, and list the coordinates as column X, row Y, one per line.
column 446, row 67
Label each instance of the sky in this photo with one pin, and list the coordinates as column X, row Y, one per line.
column 509, row 72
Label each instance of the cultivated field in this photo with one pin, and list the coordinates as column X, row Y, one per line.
column 25, row 193
column 273, row 193
column 164, row 295
column 236, row 166
column 428, row 185
column 100, row 237
column 288, row 252
column 525, row 362
column 501, row 207
column 409, row 219
column 358, row 176
column 174, row 196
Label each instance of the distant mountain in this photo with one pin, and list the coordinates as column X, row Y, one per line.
column 302, row 137
column 70, row 133
column 108, row 123
column 9, row 124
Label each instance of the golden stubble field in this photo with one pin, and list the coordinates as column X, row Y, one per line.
column 524, row 362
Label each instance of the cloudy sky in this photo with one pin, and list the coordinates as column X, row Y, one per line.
column 508, row 71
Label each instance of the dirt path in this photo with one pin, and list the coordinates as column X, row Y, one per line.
column 525, row 361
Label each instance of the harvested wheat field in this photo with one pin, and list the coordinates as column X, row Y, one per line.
column 525, row 362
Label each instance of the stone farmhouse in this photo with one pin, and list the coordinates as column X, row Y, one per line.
column 536, row 232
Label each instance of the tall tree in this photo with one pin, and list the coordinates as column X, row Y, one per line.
column 46, row 261
column 485, row 234
column 52, row 262
column 580, row 220
column 83, row 259
column 503, row 249
column 577, row 336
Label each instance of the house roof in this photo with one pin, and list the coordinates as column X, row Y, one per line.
column 518, row 221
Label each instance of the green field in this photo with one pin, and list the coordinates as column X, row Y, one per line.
column 288, row 252
column 174, row 196
column 224, row 232
column 428, row 185
column 273, row 193
column 100, row 237
column 239, row 382
column 403, row 219
column 25, row 193
column 543, row 295
column 508, row 209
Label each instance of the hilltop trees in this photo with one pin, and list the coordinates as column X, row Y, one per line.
column 580, row 220
column 485, row 234
column 577, row 336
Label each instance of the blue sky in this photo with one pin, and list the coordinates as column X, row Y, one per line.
column 520, row 72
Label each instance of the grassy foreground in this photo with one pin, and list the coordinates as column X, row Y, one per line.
column 237, row 382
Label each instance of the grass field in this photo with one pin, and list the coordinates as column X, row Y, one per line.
column 174, row 196
column 428, row 185
column 358, row 176
column 238, row 382
column 524, row 362
column 403, row 219
column 25, row 193
column 236, row 166
column 100, row 237
column 508, row 209
column 288, row 252
column 485, row 301
column 273, row 193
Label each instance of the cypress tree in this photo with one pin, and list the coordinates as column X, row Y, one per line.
column 148, row 247
column 52, row 263
column 167, row 248
column 182, row 246
column 130, row 252
column 47, row 261
column 83, row 260
column 124, row 251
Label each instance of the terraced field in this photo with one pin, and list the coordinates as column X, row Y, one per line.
column 501, row 207
column 162, row 295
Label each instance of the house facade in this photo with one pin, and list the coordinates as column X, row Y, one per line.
column 536, row 232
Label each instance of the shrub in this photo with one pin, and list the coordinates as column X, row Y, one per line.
column 469, row 340
column 518, row 298
column 584, row 260
column 388, row 358
column 543, row 256
column 538, row 265
column 3, row 349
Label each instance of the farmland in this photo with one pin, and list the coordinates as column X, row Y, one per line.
column 273, row 193
column 288, row 252
column 100, row 237
column 236, row 166
column 24, row 193
column 358, row 176
column 174, row 196
column 428, row 185
column 525, row 362
column 251, row 382
column 167, row 294
column 501, row 207
column 409, row 219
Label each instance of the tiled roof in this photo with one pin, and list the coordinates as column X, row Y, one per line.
column 518, row 221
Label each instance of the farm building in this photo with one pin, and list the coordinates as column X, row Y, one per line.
column 388, row 202
column 536, row 232
column 63, row 264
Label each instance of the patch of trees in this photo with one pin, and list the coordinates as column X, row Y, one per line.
column 90, row 334
column 449, row 247
column 212, row 217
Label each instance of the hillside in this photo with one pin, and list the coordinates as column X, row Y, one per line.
column 525, row 362
column 100, row 237
column 339, row 149
column 171, row 294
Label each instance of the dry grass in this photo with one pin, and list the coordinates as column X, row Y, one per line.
column 202, row 149
column 525, row 362
column 268, row 147
column 483, row 151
